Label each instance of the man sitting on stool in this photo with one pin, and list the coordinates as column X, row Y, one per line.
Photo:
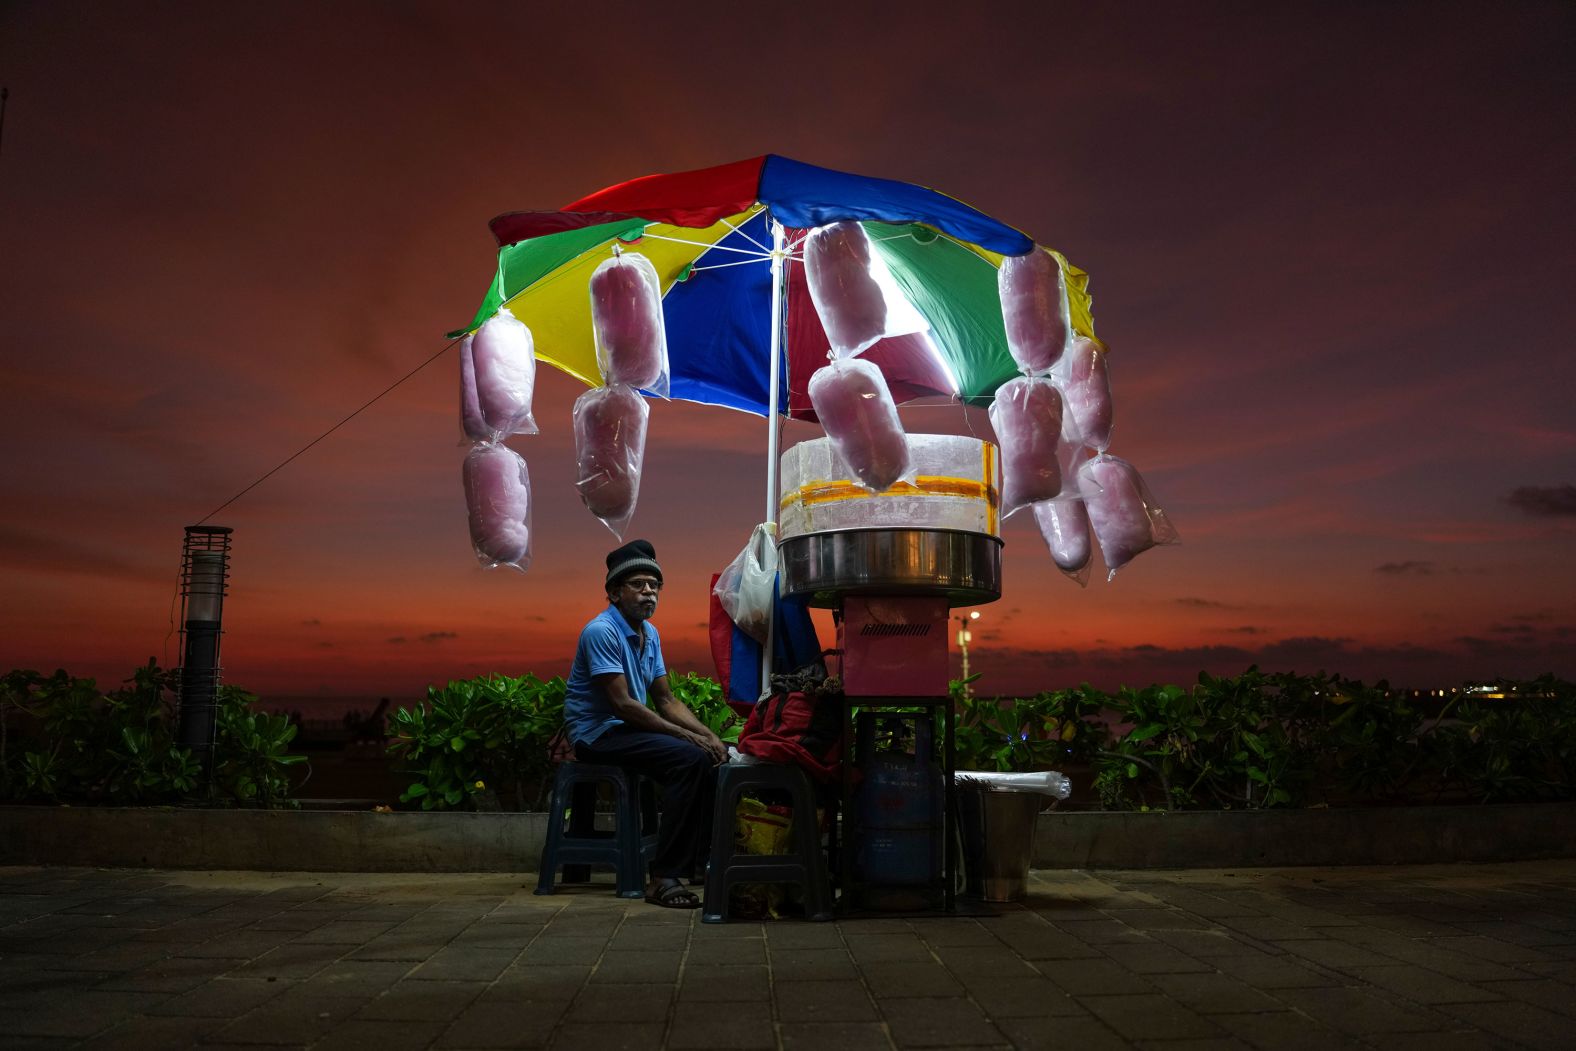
column 618, row 671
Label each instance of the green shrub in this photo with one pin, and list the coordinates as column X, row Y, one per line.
column 63, row 740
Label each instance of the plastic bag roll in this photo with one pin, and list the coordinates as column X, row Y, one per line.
column 610, row 444
column 626, row 317
column 1027, row 417
column 855, row 407
column 504, row 363
column 850, row 303
column 1033, row 295
column 1086, row 389
column 498, row 502
column 1046, row 782
column 1122, row 512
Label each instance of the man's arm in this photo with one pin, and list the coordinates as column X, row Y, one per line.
column 677, row 712
column 638, row 716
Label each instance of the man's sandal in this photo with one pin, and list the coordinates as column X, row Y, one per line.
column 671, row 893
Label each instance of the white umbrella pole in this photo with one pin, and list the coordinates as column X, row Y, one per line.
column 779, row 297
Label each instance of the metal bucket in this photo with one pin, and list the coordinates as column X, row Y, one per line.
column 998, row 835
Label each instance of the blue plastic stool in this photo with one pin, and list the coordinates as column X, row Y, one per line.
column 625, row 849
column 806, row 866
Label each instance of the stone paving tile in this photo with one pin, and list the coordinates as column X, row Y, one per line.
column 456, row 963
column 704, row 948
column 1151, row 957
column 609, row 1036
column 1061, row 1034
column 972, row 963
column 1208, row 943
column 877, row 948
column 549, row 949
column 1422, row 986
column 82, row 1014
column 621, row 1003
column 221, row 998
column 957, row 931
column 1079, row 977
column 703, row 1026
column 1149, row 1016
column 940, row 1022
column 1358, row 1011
column 549, row 983
column 1336, row 955
column 1426, row 953
column 1024, row 998
column 342, row 932
column 360, row 1034
column 1043, row 942
column 1546, row 993
column 417, row 1001
column 909, row 978
column 1159, row 919
column 1491, row 949
column 803, row 936
column 812, row 965
column 834, row 1036
column 664, row 938
column 290, row 961
column 297, row 1016
column 488, row 1025
column 637, row 966
column 149, row 1033
column 177, row 974
column 1464, row 1039
column 823, row 1001
column 1525, row 1024
column 364, row 979
column 725, row 983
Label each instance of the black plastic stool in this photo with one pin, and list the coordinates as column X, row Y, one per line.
column 806, row 866
column 625, row 849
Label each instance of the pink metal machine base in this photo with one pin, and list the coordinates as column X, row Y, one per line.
column 894, row 646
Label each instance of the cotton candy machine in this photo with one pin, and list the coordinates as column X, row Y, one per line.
column 891, row 565
column 936, row 536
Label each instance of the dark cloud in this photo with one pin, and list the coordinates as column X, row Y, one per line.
column 1204, row 603
column 398, row 640
column 31, row 552
column 437, row 636
column 1246, row 629
column 313, row 623
column 1544, row 501
column 1402, row 569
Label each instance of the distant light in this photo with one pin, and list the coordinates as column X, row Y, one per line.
column 974, row 615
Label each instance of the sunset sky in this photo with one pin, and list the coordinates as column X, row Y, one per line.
column 1331, row 247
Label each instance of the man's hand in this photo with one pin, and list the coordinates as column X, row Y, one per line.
column 712, row 744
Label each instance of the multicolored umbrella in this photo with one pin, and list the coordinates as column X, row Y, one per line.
column 713, row 236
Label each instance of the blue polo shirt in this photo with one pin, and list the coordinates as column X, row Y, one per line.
column 608, row 646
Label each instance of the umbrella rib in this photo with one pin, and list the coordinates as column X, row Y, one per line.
column 740, row 231
column 708, row 247
column 720, row 266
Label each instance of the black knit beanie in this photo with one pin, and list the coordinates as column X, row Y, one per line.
column 637, row 554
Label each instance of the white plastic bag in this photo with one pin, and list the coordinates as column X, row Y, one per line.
column 855, row 407
column 1033, row 295
column 1122, row 511
column 1046, row 782
column 626, row 317
column 498, row 502
column 745, row 588
column 1086, row 391
column 504, row 363
column 1026, row 415
column 610, row 445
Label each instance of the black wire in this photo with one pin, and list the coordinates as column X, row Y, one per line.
column 331, row 430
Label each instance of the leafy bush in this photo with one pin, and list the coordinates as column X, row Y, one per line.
column 63, row 740
column 475, row 733
column 704, row 697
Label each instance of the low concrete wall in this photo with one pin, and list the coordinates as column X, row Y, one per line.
column 363, row 841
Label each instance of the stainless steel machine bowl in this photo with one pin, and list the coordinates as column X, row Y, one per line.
column 962, row 567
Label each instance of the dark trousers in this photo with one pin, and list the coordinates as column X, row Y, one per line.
column 688, row 779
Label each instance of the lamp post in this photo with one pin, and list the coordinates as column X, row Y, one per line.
column 205, row 571
column 965, row 636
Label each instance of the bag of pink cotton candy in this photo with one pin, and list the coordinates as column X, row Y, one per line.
column 1122, row 512
column 1064, row 526
column 498, row 504
column 851, row 305
column 855, row 407
column 610, row 446
column 627, row 321
column 1033, row 295
column 1026, row 415
column 1086, row 391
column 503, row 358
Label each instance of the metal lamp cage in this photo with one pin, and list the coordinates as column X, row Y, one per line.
column 205, row 574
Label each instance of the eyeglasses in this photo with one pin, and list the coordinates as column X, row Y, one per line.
column 643, row 584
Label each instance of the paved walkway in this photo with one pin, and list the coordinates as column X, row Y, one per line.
column 1438, row 958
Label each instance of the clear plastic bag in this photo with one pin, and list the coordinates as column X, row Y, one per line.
column 847, row 297
column 746, row 587
column 472, row 427
column 855, row 408
column 1033, row 295
column 1026, row 415
column 626, row 317
column 610, row 445
column 504, row 366
column 1064, row 525
column 498, row 505
column 1086, row 392
column 1051, row 783
column 1122, row 512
